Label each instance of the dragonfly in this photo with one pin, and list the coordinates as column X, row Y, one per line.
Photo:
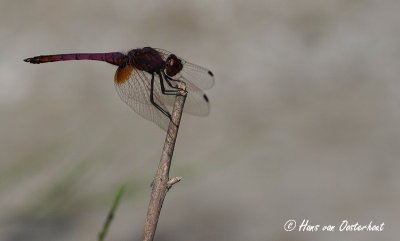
column 147, row 80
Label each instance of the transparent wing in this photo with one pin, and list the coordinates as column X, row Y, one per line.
column 135, row 92
column 199, row 76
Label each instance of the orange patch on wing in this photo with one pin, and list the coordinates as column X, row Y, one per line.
column 122, row 74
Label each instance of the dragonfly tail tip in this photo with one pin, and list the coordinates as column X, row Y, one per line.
column 31, row 60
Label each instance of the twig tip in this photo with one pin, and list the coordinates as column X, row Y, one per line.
column 173, row 180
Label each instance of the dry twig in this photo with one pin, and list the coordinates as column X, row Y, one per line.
column 161, row 182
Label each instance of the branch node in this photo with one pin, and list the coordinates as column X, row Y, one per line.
column 172, row 181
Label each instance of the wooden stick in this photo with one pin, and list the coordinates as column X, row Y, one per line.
column 161, row 182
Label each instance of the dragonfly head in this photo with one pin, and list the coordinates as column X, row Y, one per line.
column 173, row 65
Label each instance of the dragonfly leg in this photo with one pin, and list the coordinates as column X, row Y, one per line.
column 163, row 90
column 169, row 79
column 166, row 113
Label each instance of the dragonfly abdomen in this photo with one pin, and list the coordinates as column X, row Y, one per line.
column 115, row 58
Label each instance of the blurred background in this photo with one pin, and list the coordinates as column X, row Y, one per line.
column 304, row 120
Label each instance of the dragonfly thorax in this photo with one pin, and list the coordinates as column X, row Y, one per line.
column 146, row 59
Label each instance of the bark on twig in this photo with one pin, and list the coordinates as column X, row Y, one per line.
column 161, row 182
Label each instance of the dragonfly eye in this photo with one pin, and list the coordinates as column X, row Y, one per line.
column 172, row 60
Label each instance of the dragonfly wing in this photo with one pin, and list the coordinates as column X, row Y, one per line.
column 199, row 76
column 134, row 87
